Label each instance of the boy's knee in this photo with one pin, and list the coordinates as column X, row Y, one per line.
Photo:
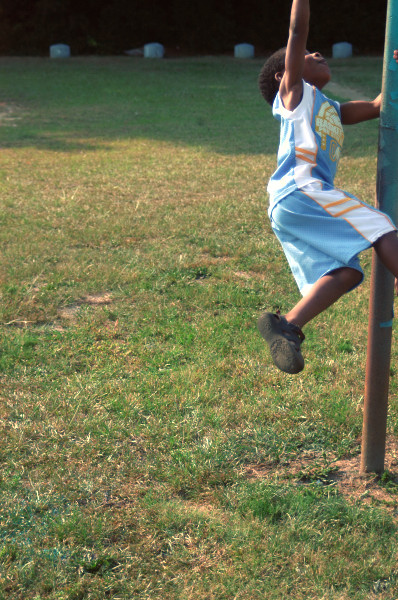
column 348, row 277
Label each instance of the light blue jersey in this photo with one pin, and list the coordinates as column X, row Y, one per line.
column 311, row 140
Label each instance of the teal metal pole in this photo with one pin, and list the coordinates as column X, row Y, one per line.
column 382, row 283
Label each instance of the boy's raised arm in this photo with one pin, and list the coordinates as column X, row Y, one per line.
column 291, row 86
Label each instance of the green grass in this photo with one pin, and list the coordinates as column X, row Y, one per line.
column 137, row 399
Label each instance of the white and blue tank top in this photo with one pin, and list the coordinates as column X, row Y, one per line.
column 311, row 139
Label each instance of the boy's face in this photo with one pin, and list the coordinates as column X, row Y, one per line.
column 316, row 70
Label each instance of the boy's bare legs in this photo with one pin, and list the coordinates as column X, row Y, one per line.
column 284, row 335
column 332, row 286
column 323, row 294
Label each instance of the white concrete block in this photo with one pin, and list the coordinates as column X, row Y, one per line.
column 244, row 51
column 154, row 50
column 342, row 50
column 59, row 51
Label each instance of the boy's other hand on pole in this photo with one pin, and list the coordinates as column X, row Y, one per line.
column 396, row 55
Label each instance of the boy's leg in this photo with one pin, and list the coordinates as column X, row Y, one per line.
column 387, row 250
column 284, row 335
column 332, row 286
column 323, row 294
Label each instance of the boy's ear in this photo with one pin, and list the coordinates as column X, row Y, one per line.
column 279, row 75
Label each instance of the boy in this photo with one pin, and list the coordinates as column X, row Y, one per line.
column 322, row 229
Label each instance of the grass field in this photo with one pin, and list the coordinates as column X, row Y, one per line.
column 149, row 448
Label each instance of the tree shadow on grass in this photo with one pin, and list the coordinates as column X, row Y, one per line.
column 82, row 104
column 195, row 126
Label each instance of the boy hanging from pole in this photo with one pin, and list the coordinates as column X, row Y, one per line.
column 322, row 229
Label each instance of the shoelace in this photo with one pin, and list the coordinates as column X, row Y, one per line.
column 290, row 328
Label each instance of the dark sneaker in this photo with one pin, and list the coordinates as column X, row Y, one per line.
column 284, row 340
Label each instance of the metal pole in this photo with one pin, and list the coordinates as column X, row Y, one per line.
column 382, row 284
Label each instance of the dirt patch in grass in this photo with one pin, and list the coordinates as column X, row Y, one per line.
column 8, row 114
column 370, row 489
column 69, row 313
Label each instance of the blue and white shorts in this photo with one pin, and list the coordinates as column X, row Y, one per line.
column 324, row 230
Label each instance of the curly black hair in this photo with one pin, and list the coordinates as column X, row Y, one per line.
column 267, row 83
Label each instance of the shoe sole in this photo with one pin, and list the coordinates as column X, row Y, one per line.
column 283, row 353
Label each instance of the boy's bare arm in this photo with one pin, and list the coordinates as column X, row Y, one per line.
column 358, row 111
column 291, row 87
